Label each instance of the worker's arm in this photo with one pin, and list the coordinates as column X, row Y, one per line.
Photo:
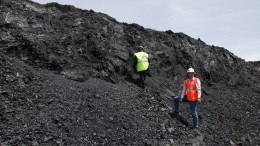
column 198, row 85
column 135, row 63
column 183, row 91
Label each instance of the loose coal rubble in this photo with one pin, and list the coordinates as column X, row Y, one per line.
column 67, row 78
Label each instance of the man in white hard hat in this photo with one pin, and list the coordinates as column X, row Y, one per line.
column 191, row 93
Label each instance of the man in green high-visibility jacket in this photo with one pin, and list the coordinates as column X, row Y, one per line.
column 141, row 64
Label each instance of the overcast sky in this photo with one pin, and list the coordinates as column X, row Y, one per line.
column 233, row 24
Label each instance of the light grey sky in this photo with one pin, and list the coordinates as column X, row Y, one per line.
column 233, row 24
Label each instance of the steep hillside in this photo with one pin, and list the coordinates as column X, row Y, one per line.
column 66, row 78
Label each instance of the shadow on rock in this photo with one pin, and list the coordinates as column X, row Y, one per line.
column 132, row 80
column 180, row 119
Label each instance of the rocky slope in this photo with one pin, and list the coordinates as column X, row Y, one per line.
column 66, row 78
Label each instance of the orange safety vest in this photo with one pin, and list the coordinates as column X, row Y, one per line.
column 191, row 89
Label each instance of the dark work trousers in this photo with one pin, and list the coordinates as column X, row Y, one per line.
column 142, row 75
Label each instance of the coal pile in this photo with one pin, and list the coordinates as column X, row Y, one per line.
column 66, row 78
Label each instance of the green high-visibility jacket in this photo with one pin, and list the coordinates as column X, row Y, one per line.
column 142, row 61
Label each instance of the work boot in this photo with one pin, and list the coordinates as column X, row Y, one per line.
column 196, row 131
column 142, row 85
column 175, row 114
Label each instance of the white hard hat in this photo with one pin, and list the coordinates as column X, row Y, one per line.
column 190, row 70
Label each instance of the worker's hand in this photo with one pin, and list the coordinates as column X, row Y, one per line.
column 181, row 100
column 199, row 100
